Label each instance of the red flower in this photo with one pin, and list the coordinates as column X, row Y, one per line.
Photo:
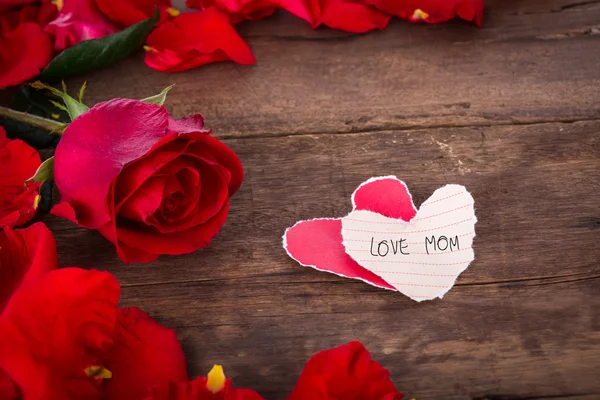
column 150, row 184
column 129, row 12
column 19, row 162
column 238, row 10
column 78, row 20
column 25, row 255
column 55, row 331
column 252, row 10
column 26, row 48
column 144, row 354
column 214, row 387
column 432, row 11
column 195, row 39
column 344, row 373
column 351, row 16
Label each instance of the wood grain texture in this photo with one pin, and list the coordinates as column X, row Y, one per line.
column 511, row 111
column 533, row 61
column 522, row 319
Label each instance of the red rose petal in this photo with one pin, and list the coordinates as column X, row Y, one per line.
column 351, row 16
column 145, row 354
column 8, row 389
column 180, row 242
column 78, row 20
column 211, row 148
column 145, row 201
column 345, row 372
column 96, row 147
column 137, row 172
column 25, row 255
column 19, row 162
column 25, row 48
column 56, row 326
column 197, row 390
column 195, row 39
column 129, row 12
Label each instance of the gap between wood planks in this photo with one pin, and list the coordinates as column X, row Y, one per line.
column 392, row 128
column 536, row 280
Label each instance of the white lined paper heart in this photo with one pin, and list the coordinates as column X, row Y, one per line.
column 423, row 257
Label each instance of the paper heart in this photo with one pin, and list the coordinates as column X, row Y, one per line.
column 413, row 262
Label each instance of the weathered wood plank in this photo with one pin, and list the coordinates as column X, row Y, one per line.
column 523, row 319
column 534, row 186
column 532, row 61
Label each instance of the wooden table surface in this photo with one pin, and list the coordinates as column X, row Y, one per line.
column 511, row 111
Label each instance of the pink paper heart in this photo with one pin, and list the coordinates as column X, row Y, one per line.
column 318, row 244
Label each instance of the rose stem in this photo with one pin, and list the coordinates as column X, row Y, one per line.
column 30, row 119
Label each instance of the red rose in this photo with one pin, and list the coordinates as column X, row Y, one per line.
column 351, row 16
column 78, row 20
column 214, row 387
column 196, row 39
column 144, row 354
column 344, row 373
column 55, row 330
column 25, row 255
column 129, row 12
column 19, row 162
column 26, row 48
column 432, row 11
column 150, row 184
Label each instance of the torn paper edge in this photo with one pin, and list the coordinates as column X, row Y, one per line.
column 285, row 246
column 381, row 178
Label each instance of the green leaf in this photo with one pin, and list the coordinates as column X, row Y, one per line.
column 31, row 101
column 99, row 53
column 82, row 91
column 73, row 107
column 158, row 99
column 44, row 172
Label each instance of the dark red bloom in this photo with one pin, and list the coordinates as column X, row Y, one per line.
column 196, row 39
column 25, row 255
column 351, row 16
column 150, row 184
column 129, row 12
column 144, row 354
column 344, row 373
column 55, row 330
column 19, row 162
column 432, row 11
column 214, row 387
column 78, row 20
column 25, row 48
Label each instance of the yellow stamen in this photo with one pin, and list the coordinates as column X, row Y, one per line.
column 215, row 381
column 36, row 201
column 97, row 372
column 148, row 48
column 59, row 4
column 173, row 12
column 55, row 116
column 420, row 14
